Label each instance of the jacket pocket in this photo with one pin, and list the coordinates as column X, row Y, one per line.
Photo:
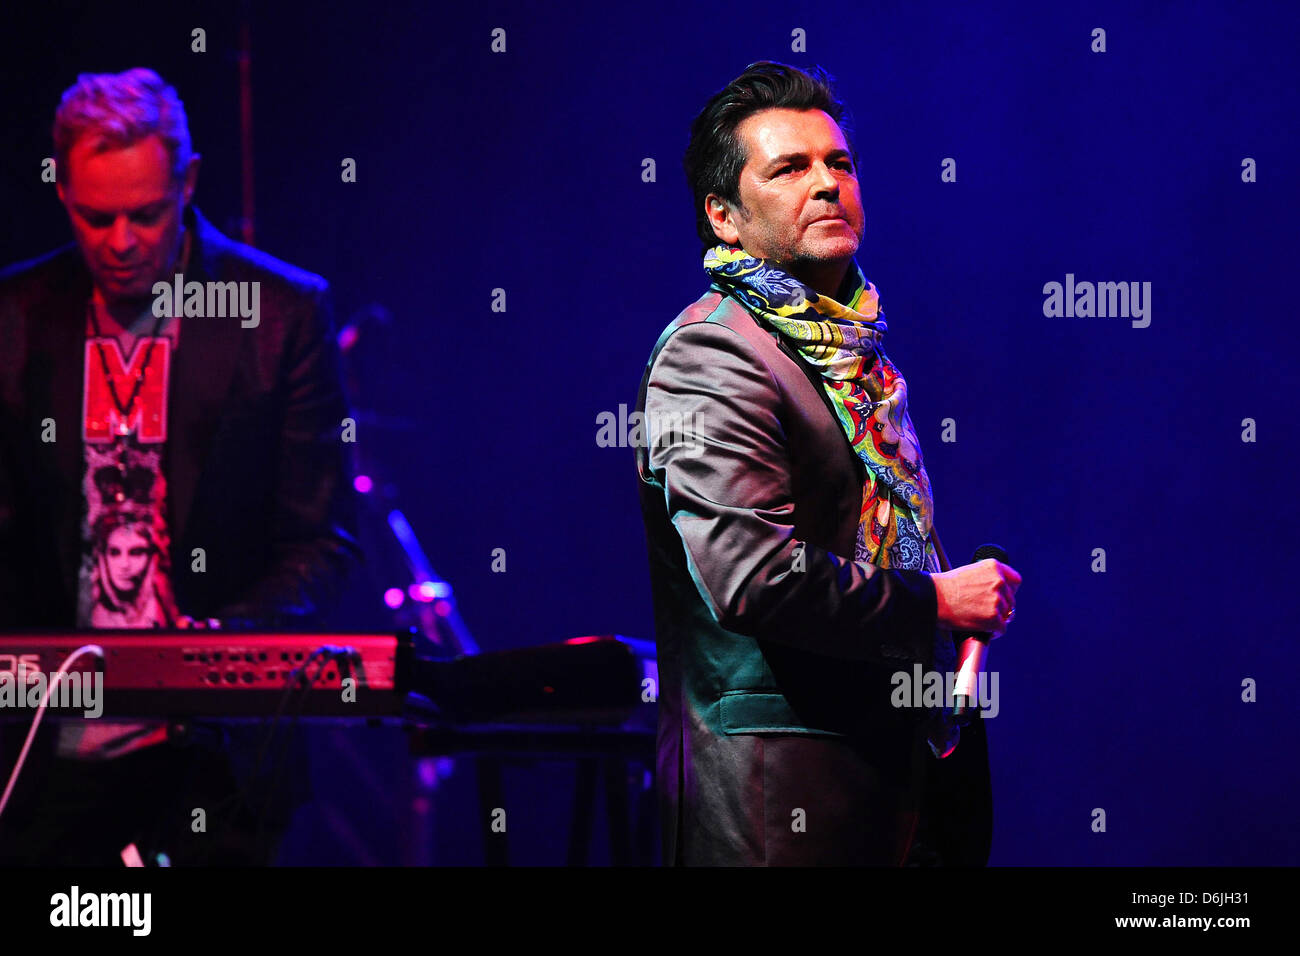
column 763, row 712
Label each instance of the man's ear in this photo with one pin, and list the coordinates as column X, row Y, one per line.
column 719, row 213
column 191, row 179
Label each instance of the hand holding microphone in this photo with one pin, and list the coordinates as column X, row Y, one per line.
column 976, row 602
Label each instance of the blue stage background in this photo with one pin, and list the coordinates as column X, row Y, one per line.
column 522, row 171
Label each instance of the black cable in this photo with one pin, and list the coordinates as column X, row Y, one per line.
column 344, row 657
column 240, row 796
column 278, row 764
column 299, row 680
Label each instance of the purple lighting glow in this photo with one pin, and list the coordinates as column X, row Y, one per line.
column 426, row 591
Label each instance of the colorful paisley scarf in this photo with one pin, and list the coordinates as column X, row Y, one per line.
column 844, row 342
column 868, row 395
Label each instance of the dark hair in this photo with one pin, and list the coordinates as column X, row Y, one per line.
column 715, row 155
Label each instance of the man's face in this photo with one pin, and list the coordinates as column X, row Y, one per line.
column 798, row 169
column 125, row 211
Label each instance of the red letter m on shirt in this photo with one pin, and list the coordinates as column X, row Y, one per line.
column 147, row 415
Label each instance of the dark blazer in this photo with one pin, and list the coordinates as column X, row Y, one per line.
column 777, row 743
column 257, row 474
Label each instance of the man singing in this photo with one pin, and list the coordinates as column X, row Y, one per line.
column 158, row 468
column 790, row 524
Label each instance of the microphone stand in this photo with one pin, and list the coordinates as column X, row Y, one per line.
column 426, row 603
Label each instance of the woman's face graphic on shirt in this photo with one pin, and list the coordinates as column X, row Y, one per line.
column 127, row 556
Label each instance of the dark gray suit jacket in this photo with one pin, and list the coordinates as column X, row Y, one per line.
column 777, row 740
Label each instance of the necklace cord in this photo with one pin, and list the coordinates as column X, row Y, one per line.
column 124, row 411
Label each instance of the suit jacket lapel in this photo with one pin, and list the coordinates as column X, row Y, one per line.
column 200, row 379
column 56, row 381
column 815, row 379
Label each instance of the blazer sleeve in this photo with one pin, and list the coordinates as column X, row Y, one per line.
column 716, row 443
column 314, row 528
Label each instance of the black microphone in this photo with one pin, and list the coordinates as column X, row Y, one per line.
column 973, row 649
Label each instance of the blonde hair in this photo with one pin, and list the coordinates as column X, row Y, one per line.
column 119, row 110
